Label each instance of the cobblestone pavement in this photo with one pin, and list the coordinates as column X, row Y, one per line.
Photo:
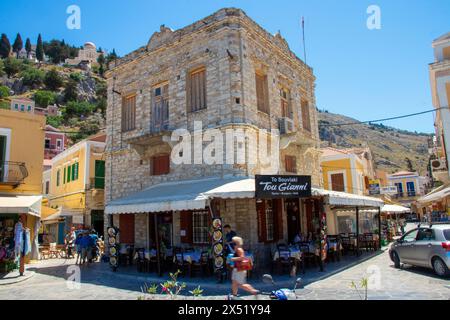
column 50, row 282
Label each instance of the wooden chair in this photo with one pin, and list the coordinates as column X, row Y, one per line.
column 44, row 252
column 181, row 264
column 53, row 251
column 309, row 258
column 201, row 266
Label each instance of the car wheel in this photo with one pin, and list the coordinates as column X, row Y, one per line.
column 396, row 260
column 440, row 268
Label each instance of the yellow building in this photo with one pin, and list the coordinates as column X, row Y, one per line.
column 347, row 170
column 77, row 184
column 409, row 186
column 21, row 158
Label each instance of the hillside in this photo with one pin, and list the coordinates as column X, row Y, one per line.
column 390, row 147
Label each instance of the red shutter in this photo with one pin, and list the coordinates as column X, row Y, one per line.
column 126, row 227
column 261, row 214
column 278, row 219
column 161, row 165
column 186, row 225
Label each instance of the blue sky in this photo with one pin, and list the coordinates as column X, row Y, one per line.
column 362, row 73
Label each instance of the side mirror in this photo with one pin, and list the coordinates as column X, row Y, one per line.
column 267, row 279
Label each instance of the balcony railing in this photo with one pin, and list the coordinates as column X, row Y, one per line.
column 12, row 173
column 97, row 183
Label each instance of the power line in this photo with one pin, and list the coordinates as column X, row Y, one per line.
column 380, row 120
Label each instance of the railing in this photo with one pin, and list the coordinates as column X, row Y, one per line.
column 97, row 183
column 12, row 173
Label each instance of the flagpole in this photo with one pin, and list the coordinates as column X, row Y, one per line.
column 304, row 46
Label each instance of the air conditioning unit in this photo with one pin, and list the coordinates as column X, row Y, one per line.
column 438, row 165
column 286, row 125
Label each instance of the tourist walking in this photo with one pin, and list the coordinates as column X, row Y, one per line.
column 240, row 268
column 78, row 248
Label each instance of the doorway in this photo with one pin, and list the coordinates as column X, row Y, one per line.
column 165, row 229
column 97, row 221
column 292, row 209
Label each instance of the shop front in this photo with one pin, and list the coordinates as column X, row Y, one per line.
column 19, row 225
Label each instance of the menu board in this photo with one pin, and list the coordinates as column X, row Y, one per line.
column 113, row 246
column 217, row 241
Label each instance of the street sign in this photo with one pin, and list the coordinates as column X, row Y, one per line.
column 388, row 190
column 279, row 187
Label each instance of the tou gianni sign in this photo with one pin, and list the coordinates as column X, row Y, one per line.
column 273, row 187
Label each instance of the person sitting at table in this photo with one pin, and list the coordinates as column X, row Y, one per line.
column 298, row 238
column 229, row 235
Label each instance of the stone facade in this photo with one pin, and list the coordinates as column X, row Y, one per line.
column 232, row 48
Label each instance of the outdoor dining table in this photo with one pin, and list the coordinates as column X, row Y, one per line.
column 294, row 252
column 192, row 256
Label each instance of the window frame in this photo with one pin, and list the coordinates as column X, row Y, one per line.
column 201, row 102
column 262, row 98
column 306, row 115
column 128, row 111
column 203, row 228
column 154, row 167
column 290, row 163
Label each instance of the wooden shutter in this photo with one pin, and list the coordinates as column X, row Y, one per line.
column 161, row 165
column 337, row 182
column 186, row 225
column 306, row 121
column 290, row 164
column 261, row 92
column 128, row 113
column 278, row 219
column 196, row 90
column 126, row 227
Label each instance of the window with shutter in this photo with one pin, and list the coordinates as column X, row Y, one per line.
column 161, row 165
column 58, row 177
column 186, row 227
column 126, row 227
column 286, row 109
column 69, row 173
column 196, row 90
column 291, row 164
column 270, row 223
column 337, row 182
column 306, row 121
column 128, row 113
column 160, row 109
column 200, row 227
column 262, row 92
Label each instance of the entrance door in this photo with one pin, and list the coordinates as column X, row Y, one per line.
column 97, row 221
column 293, row 218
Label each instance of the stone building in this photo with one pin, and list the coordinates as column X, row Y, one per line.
column 229, row 73
column 88, row 54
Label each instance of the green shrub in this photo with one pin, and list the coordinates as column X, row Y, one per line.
column 76, row 76
column 71, row 91
column 54, row 121
column 32, row 76
column 4, row 92
column 75, row 108
column 44, row 98
column 5, row 105
column 12, row 66
column 2, row 68
column 53, row 81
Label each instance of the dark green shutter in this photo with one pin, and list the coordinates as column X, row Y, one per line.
column 2, row 156
column 64, row 180
column 69, row 173
column 99, row 174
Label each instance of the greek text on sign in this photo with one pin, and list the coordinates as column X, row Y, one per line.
column 270, row 186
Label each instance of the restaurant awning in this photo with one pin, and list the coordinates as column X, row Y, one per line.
column 347, row 199
column 181, row 195
column 61, row 213
column 195, row 194
column 393, row 208
column 435, row 195
column 20, row 204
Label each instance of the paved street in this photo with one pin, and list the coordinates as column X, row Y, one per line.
column 49, row 282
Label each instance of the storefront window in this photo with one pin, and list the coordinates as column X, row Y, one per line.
column 200, row 227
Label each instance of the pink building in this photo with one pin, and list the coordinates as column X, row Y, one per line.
column 55, row 142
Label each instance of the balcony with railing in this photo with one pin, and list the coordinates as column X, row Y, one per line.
column 12, row 173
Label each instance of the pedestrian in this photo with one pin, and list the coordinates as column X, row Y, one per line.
column 78, row 248
column 85, row 242
column 92, row 245
column 69, row 241
column 229, row 235
column 240, row 267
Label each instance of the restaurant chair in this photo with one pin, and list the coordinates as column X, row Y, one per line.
column 181, row 264
column 201, row 266
column 140, row 260
column 308, row 257
column 284, row 261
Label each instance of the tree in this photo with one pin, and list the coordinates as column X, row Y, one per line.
column 2, row 68
column 4, row 92
column 111, row 57
column 44, row 98
column 18, row 45
column 28, row 47
column 32, row 76
column 40, row 49
column 71, row 91
column 12, row 66
column 5, row 46
column 101, row 61
column 409, row 164
column 53, row 81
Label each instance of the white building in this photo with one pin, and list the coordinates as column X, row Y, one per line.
column 22, row 104
column 88, row 55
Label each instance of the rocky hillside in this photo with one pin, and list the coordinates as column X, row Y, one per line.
column 79, row 94
column 391, row 147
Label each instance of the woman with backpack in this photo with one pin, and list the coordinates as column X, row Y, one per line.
column 240, row 266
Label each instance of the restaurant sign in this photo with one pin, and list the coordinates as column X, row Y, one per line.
column 277, row 186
